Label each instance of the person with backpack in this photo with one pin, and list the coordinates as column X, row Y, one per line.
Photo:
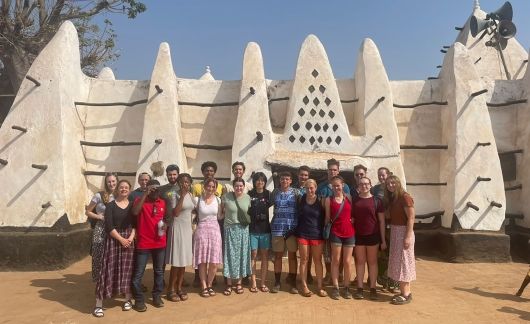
column 369, row 224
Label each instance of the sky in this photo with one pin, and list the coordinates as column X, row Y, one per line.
column 408, row 33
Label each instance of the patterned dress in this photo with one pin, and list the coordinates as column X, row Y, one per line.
column 98, row 236
column 236, row 248
column 207, row 246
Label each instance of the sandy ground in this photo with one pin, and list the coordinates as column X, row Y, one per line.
column 443, row 293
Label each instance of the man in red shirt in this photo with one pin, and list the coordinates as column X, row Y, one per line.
column 148, row 213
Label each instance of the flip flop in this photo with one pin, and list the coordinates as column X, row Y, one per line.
column 253, row 289
column 264, row 288
column 227, row 291
column 239, row 289
column 183, row 295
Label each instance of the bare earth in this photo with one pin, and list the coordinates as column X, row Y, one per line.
column 443, row 293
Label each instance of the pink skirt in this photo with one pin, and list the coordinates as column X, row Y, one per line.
column 207, row 244
column 401, row 263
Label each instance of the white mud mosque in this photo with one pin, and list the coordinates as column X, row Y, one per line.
column 458, row 140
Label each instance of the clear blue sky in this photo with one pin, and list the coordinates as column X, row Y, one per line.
column 408, row 33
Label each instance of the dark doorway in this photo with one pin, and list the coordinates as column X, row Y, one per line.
column 318, row 175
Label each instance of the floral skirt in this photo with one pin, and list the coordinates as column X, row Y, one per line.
column 401, row 262
column 236, row 250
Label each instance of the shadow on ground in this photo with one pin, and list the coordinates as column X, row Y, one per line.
column 500, row 296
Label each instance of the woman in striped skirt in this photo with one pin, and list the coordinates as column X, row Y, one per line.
column 117, row 262
column 401, row 263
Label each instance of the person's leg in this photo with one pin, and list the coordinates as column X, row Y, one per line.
column 212, row 269
column 525, row 283
column 371, row 258
column 278, row 247
column 336, row 251
column 304, row 256
column 292, row 248
column 139, row 269
column 158, row 256
column 180, row 279
column 203, row 275
column 173, row 277
column 316, row 253
column 347, row 264
column 360, row 264
column 404, row 287
column 264, row 253
column 253, row 256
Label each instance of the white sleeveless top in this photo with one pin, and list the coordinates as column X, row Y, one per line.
column 208, row 212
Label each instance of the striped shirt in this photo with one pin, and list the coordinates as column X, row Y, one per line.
column 285, row 214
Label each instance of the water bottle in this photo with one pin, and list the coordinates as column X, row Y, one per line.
column 161, row 230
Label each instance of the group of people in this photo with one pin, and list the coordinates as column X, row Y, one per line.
column 207, row 225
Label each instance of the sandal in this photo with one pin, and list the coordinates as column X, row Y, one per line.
column 322, row 293
column 172, row 296
column 306, row 293
column 239, row 289
column 211, row 292
column 204, row 293
column 183, row 295
column 253, row 289
column 264, row 288
column 127, row 306
column 227, row 291
column 98, row 312
column 401, row 300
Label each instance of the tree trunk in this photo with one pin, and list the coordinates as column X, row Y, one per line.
column 16, row 65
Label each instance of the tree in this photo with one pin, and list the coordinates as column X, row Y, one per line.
column 26, row 26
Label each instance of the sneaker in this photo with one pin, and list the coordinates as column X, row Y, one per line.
column 276, row 288
column 373, row 294
column 158, row 302
column 335, row 293
column 127, row 306
column 98, row 312
column 347, row 293
column 139, row 307
column 358, row 294
column 293, row 290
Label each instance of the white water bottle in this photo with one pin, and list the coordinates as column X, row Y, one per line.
column 161, row 230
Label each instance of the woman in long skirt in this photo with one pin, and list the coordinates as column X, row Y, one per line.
column 401, row 264
column 207, row 246
column 95, row 211
column 179, row 251
column 236, row 247
column 117, row 262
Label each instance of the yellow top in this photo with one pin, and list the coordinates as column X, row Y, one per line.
column 198, row 189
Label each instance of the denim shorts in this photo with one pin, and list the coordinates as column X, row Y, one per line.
column 260, row 241
column 342, row 241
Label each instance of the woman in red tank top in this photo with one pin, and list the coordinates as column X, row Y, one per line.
column 342, row 236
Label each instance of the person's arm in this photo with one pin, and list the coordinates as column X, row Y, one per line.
column 178, row 207
column 328, row 210
column 89, row 210
column 411, row 215
column 381, row 217
column 221, row 210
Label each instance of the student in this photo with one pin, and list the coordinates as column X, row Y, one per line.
column 309, row 231
column 179, row 251
column 283, row 226
column 95, row 211
column 324, row 190
column 359, row 172
column 303, row 176
column 238, row 170
column 379, row 189
column 369, row 224
column 260, row 228
column 207, row 244
column 236, row 248
column 143, row 178
column 170, row 191
column 148, row 211
column 117, row 266
column 342, row 235
column 208, row 169
column 401, row 264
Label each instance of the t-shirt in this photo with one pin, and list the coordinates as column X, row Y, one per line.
column 324, row 189
column 364, row 214
column 138, row 192
column 170, row 194
column 259, row 212
column 207, row 212
column 198, row 188
column 285, row 217
column 116, row 217
column 146, row 224
column 231, row 207
column 342, row 226
column 230, row 188
column 378, row 190
column 310, row 219
column 397, row 210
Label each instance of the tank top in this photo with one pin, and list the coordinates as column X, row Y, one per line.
column 208, row 213
column 342, row 226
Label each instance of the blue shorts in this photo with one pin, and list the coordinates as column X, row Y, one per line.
column 260, row 241
column 342, row 241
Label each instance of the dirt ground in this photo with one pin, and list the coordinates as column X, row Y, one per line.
column 443, row 293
